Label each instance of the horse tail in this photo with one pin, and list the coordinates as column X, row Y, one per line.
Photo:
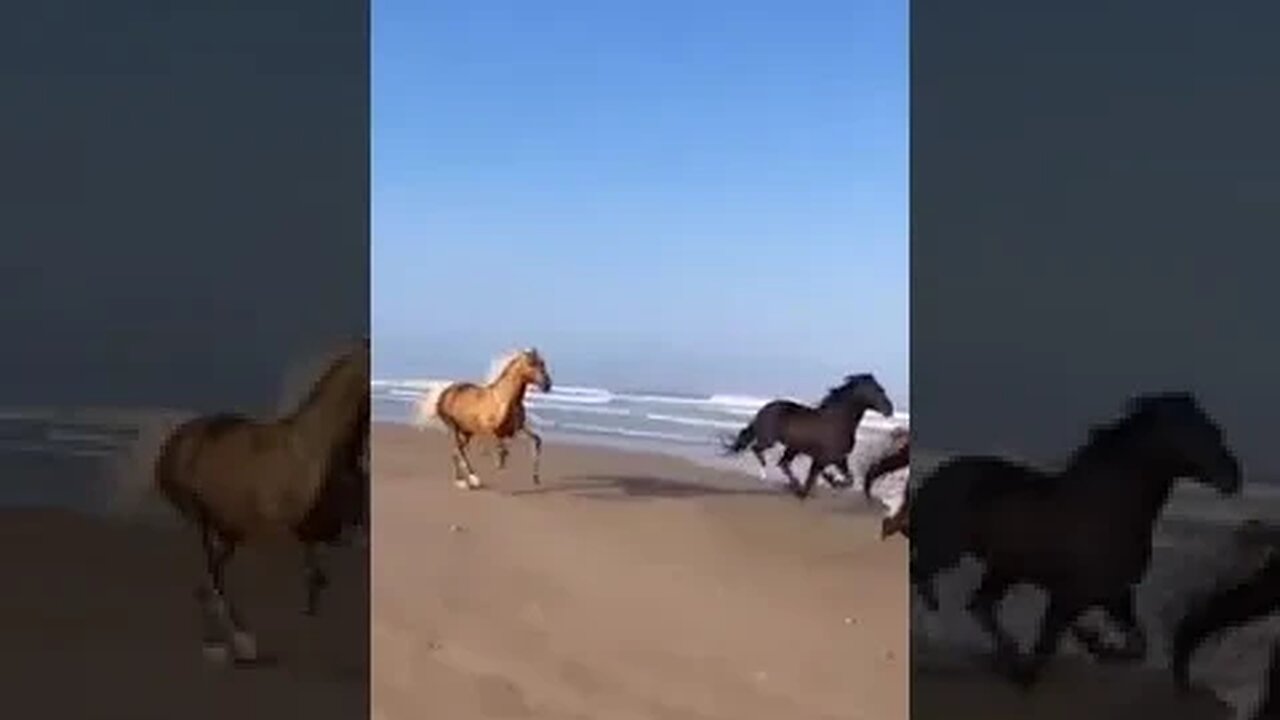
column 742, row 440
column 427, row 409
column 168, row 471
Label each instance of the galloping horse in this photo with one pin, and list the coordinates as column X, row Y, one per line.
column 1082, row 535
column 826, row 433
column 238, row 479
column 495, row 409
column 894, row 464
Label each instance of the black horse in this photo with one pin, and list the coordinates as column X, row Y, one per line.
column 826, row 434
column 1229, row 607
column 1269, row 709
column 1082, row 535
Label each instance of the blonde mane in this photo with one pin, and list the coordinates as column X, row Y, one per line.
column 303, row 378
column 500, row 364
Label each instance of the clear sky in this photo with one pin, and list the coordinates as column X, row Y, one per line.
column 698, row 195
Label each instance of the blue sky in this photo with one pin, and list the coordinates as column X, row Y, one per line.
column 695, row 195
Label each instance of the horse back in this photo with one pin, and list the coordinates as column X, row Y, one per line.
column 177, row 454
column 476, row 410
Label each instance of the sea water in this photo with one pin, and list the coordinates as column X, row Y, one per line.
column 692, row 426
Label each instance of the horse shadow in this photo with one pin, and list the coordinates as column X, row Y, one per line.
column 639, row 487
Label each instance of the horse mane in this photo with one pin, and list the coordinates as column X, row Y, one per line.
column 334, row 362
column 1106, row 439
column 500, row 364
column 850, row 381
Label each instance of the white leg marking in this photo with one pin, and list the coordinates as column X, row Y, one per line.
column 245, row 646
column 474, row 481
column 216, row 653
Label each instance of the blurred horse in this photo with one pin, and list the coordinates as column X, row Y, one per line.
column 893, row 466
column 1083, row 535
column 240, row 479
column 495, row 409
column 1230, row 606
column 826, row 433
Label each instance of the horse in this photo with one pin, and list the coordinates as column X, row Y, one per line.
column 897, row 519
column 1083, row 535
column 1269, row 708
column 1229, row 606
column 826, row 433
column 495, row 409
column 239, row 479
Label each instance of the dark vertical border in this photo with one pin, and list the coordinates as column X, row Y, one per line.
column 1094, row 216
column 184, row 207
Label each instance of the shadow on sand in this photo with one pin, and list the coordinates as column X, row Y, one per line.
column 640, row 487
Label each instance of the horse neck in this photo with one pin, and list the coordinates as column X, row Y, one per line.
column 509, row 388
column 1152, row 480
column 844, row 415
column 325, row 418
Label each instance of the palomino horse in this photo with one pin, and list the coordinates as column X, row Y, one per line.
column 238, row 479
column 495, row 409
column 1084, row 535
column 826, row 433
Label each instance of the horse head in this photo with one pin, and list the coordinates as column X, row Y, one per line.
column 862, row 389
column 533, row 369
column 1181, row 432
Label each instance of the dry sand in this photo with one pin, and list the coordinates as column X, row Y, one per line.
column 628, row 586
column 99, row 623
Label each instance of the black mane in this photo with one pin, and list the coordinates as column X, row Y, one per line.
column 1140, row 414
column 840, row 393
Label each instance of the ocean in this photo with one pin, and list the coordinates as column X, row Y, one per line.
column 691, row 426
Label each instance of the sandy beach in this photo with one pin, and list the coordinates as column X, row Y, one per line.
column 627, row 586
column 99, row 623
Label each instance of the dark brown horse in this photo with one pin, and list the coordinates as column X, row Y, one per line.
column 1083, row 535
column 826, row 433
column 898, row 521
column 239, row 479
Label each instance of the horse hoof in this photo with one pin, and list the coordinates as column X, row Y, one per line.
column 461, row 484
column 244, row 647
column 217, row 653
column 474, row 483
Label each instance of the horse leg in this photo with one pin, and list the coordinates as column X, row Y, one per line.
column 472, row 481
column 984, row 606
column 784, row 464
column 502, row 452
column 221, row 618
column 758, row 451
column 1121, row 610
column 842, row 465
column 815, row 469
column 1058, row 618
column 922, row 579
column 537, row 453
column 315, row 578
